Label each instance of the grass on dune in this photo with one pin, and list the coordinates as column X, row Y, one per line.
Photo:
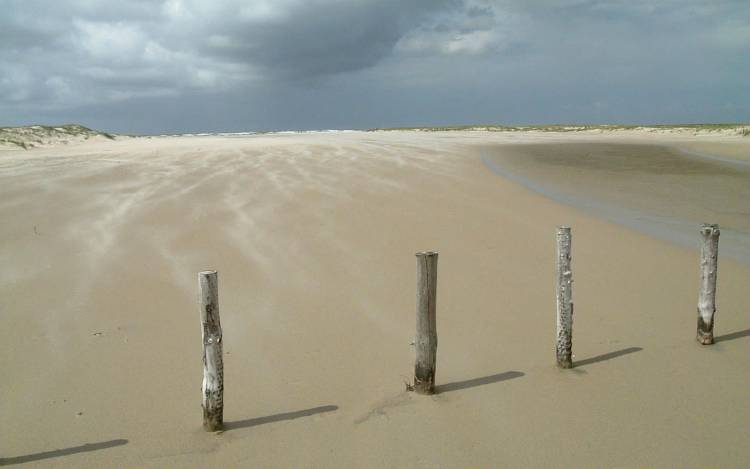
column 37, row 135
column 741, row 129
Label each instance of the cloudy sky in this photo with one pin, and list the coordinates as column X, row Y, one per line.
column 153, row 66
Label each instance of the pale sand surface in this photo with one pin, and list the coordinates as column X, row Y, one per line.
column 314, row 238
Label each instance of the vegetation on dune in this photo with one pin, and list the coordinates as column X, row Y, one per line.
column 39, row 135
column 741, row 129
column 44, row 135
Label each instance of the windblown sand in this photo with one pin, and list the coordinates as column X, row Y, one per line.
column 314, row 238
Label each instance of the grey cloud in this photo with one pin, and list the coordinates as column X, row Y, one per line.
column 277, row 63
column 136, row 48
column 322, row 38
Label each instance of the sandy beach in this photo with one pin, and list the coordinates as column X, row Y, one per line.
column 313, row 236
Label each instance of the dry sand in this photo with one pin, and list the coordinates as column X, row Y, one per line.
column 314, row 237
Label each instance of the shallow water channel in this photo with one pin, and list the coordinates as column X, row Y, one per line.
column 662, row 191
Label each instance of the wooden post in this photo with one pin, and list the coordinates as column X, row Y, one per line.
column 707, row 293
column 564, row 299
column 213, row 363
column 426, row 340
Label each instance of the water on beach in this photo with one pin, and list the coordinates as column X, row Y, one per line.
column 662, row 191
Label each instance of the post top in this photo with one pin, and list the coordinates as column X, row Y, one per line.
column 207, row 272
column 563, row 228
column 710, row 228
column 426, row 253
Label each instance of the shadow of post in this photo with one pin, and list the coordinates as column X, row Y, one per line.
column 606, row 356
column 278, row 417
column 470, row 383
column 62, row 452
column 732, row 336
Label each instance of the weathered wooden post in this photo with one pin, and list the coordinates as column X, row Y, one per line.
column 426, row 340
column 213, row 364
column 707, row 293
column 564, row 299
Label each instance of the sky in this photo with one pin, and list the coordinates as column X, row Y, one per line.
column 170, row 66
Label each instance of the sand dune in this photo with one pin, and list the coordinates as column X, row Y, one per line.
column 36, row 136
column 314, row 238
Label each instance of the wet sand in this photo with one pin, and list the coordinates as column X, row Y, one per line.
column 314, row 238
column 660, row 190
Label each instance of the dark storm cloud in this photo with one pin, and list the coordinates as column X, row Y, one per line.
column 91, row 50
column 320, row 38
column 170, row 65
